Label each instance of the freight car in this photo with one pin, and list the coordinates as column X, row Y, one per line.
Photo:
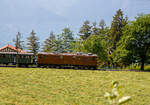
column 13, row 58
column 66, row 60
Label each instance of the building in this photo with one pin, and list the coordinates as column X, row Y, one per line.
column 10, row 48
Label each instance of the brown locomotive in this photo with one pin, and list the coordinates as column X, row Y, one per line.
column 67, row 60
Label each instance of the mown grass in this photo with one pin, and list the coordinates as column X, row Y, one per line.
column 36, row 86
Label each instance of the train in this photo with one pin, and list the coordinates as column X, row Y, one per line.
column 50, row 60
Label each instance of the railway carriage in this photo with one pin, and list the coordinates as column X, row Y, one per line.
column 13, row 58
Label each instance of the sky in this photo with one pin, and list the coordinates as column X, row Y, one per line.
column 45, row 16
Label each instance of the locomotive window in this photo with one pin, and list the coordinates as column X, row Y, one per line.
column 74, row 57
column 61, row 57
column 93, row 59
column 79, row 58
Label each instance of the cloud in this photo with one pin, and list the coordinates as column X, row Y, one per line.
column 30, row 11
column 60, row 7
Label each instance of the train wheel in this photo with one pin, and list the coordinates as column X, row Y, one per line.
column 57, row 67
column 76, row 68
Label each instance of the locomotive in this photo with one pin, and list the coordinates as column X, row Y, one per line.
column 50, row 60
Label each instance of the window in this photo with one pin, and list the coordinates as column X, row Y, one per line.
column 61, row 57
column 79, row 58
column 93, row 59
column 74, row 57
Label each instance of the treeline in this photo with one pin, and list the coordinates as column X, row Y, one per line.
column 123, row 43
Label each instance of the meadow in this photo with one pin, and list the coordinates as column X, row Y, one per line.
column 38, row 86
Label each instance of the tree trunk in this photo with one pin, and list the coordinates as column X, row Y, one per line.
column 142, row 63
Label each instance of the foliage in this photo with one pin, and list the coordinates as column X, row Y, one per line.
column 77, row 46
column 94, row 29
column 115, row 97
column 33, row 44
column 116, row 28
column 94, row 44
column 85, row 30
column 50, row 43
column 67, row 39
column 18, row 42
column 136, row 40
column 63, row 42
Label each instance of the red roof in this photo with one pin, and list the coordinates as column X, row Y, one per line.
column 13, row 48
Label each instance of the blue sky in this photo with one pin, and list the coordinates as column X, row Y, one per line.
column 53, row 15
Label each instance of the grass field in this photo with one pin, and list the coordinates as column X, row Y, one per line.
column 35, row 86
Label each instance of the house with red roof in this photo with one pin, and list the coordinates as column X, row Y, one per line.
column 10, row 48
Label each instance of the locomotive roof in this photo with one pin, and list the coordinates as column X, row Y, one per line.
column 68, row 54
column 16, row 53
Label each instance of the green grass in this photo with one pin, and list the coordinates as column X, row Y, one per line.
column 35, row 86
column 134, row 67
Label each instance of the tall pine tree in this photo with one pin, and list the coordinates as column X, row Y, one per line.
column 67, row 39
column 85, row 30
column 94, row 29
column 18, row 42
column 33, row 44
column 50, row 43
column 116, row 30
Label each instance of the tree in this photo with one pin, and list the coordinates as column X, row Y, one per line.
column 102, row 24
column 136, row 39
column 94, row 44
column 85, row 30
column 18, row 42
column 64, row 41
column 50, row 43
column 67, row 39
column 116, row 32
column 77, row 45
column 117, row 25
column 94, row 29
column 33, row 43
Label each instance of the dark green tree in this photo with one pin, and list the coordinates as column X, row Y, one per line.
column 94, row 44
column 116, row 29
column 136, row 40
column 50, row 43
column 116, row 32
column 18, row 42
column 85, row 30
column 33, row 43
